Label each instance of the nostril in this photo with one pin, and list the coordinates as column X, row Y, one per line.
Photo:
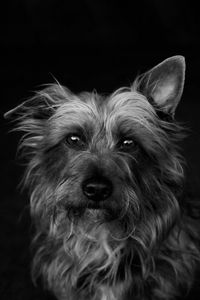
column 97, row 189
column 106, row 191
column 90, row 189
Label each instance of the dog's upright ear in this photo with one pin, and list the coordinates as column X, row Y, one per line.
column 42, row 105
column 163, row 85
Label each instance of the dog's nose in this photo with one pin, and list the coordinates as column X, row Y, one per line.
column 97, row 189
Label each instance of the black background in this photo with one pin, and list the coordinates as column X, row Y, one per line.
column 85, row 45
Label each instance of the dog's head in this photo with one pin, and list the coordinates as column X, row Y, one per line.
column 114, row 156
column 104, row 175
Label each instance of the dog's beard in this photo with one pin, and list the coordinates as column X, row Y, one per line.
column 85, row 253
column 96, row 247
column 91, row 245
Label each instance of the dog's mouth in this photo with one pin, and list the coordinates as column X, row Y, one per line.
column 96, row 205
column 97, row 211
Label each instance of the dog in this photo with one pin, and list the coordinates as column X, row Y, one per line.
column 106, row 179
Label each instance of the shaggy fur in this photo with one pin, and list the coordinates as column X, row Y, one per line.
column 137, row 244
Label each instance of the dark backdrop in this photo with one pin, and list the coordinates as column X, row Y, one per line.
column 84, row 44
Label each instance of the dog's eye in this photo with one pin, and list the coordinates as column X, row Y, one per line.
column 127, row 144
column 75, row 141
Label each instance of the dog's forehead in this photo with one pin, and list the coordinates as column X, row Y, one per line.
column 120, row 109
column 129, row 104
column 123, row 106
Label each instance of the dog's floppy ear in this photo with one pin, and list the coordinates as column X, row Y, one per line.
column 42, row 105
column 36, row 108
column 164, row 83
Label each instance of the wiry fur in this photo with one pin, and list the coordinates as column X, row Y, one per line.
column 140, row 244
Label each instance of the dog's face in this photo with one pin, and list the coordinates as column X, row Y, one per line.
column 96, row 151
column 111, row 155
